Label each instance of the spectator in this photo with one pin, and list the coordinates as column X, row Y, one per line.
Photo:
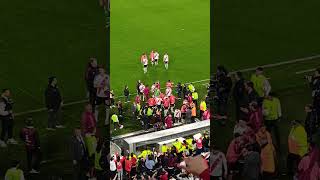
column 312, row 123
column 30, row 137
column 150, row 163
column 177, row 116
column 251, row 94
column 14, row 172
column 116, row 122
column 128, row 167
column 179, row 90
column 239, row 94
column 197, row 166
column 113, row 168
column 120, row 108
column 193, row 112
column 6, row 116
column 119, row 168
column 240, row 128
column 264, row 139
column 218, row 164
column 206, row 115
column 251, row 165
column 272, row 115
column 97, row 161
column 224, row 85
column 88, row 121
column 297, row 145
column 168, row 121
column 80, row 156
column 126, row 93
column 261, row 83
column 91, row 72
column 255, row 116
column 54, row 102
column 133, row 165
column 309, row 165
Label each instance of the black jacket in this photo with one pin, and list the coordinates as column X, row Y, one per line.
column 78, row 149
column 53, row 98
column 239, row 91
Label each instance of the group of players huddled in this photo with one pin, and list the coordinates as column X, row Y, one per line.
column 154, row 58
column 159, row 109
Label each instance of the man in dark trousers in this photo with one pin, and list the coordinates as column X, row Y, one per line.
column 80, row 156
column 239, row 94
column 91, row 72
column 6, row 118
column 53, row 102
column 30, row 137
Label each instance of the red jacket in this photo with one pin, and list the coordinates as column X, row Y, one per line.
column 206, row 115
column 168, row 121
column 164, row 176
column 166, row 103
column 128, row 165
column 172, row 99
column 190, row 99
column 184, row 108
column 151, row 102
column 88, row 123
column 146, row 92
column 137, row 99
column 30, row 137
column 205, row 175
column 134, row 162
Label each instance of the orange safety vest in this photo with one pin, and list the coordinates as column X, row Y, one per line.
column 194, row 111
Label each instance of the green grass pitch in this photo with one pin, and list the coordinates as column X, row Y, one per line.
column 251, row 33
column 180, row 27
column 39, row 39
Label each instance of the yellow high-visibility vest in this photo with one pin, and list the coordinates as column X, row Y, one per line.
column 164, row 149
column 97, row 157
column 203, row 106
column 14, row 174
column 272, row 108
column 91, row 144
column 258, row 83
column 195, row 96
column 114, row 118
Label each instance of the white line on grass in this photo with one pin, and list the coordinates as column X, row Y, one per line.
column 282, row 63
column 305, row 71
column 243, row 70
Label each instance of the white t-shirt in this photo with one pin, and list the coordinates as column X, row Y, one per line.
column 101, row 83
column 153, row 88
column 145, row 61
column 177, row 113
column 158, row 101
column 113, row 166
column 141, row 88
column 156, row 55
column 166, row 58
column 168, row 92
